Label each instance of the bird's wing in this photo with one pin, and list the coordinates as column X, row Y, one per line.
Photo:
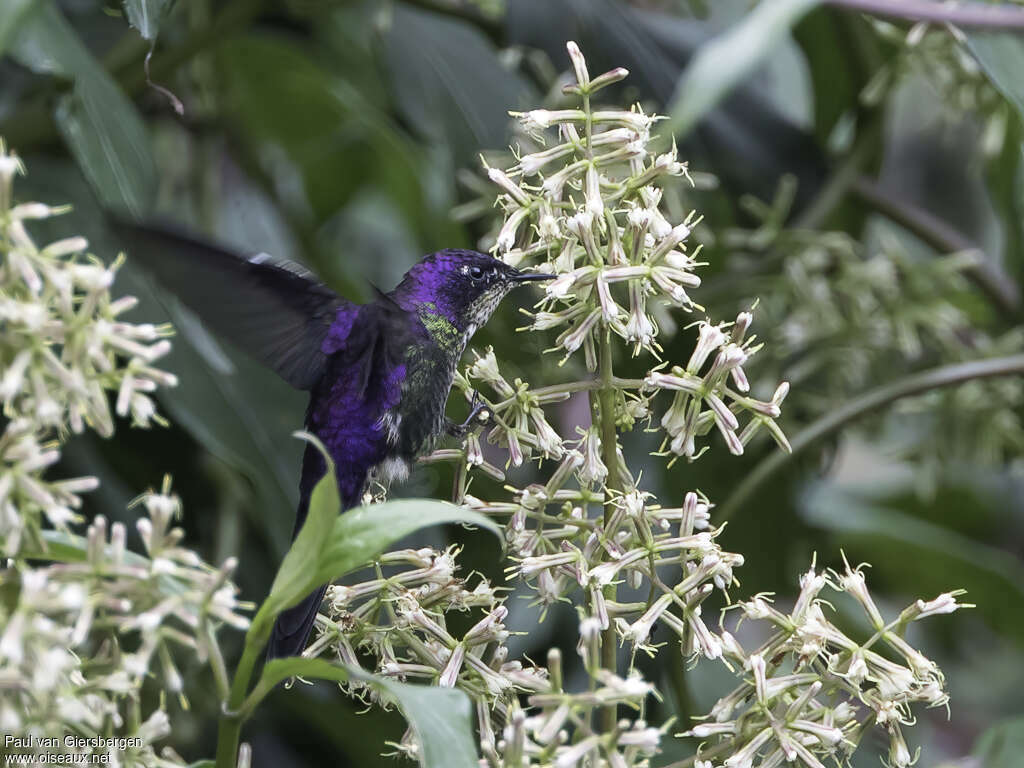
column 278, row 312
column 376, row 347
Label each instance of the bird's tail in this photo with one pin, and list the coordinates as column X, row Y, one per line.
column 294, row 626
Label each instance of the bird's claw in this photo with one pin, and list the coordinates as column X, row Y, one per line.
column 479, row 412
column 479, row 415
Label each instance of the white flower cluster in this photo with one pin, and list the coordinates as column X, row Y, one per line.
column 516, row 412
column 399, row 620
column 63, row 348
column 687, row 418
column 811, row 692
column 65, row 661
column 87, row 641
column 586, row 206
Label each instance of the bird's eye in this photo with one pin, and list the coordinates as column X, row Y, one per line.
column 476, row 273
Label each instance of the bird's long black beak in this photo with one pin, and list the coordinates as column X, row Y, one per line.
column 530, row 277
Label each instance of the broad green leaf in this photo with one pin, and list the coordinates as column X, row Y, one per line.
column 361, row 534
column 328, row 138
column 355, row 539
column 833, row 43
column 292, row 580
column 278, row 670
column 146, row 15
column 12, row 14
column 101, row 127
column 723, row 63
column 450, row 86
column 108, row 140
column 441, row 717
column 1001, row 55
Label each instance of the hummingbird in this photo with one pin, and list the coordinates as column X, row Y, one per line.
column 378, row 374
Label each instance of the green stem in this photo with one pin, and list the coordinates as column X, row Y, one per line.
column 680, row 689
column 944, row 376
column 229, row 729
column 609, row 443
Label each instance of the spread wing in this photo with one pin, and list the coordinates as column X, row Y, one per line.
column 278, row 312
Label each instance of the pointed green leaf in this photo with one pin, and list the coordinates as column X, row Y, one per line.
column 451, row 85
column 365, row 532
column 292, row 582
column 100, row 126
column 1001, row 55
column 441, row 717
column 13, row 13
column 279, row 670
column 322, row 554
column 722, row 63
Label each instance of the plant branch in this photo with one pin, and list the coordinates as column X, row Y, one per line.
column 972, row 14
column 944, row 376
column 939, row 235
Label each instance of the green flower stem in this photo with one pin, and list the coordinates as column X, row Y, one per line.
column 232, row 715
column 609, row 442
column 944, row 376
column 220, row 673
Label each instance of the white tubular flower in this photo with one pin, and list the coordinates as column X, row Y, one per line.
column 593, row 470
column 513, row 190
column 509, row 231
column 609, row 309
column 638, row 632
column 944, row 603
column 710, row 338
column 579, row 64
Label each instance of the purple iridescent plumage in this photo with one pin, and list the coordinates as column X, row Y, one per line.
column 340, row 328
column 378, row 374
column 430, row 283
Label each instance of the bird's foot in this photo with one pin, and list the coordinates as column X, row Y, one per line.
column 479, row 415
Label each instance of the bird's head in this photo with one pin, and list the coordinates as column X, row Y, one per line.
column 461, row 287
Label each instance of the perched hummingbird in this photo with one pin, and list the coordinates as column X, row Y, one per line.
column 378, row 374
